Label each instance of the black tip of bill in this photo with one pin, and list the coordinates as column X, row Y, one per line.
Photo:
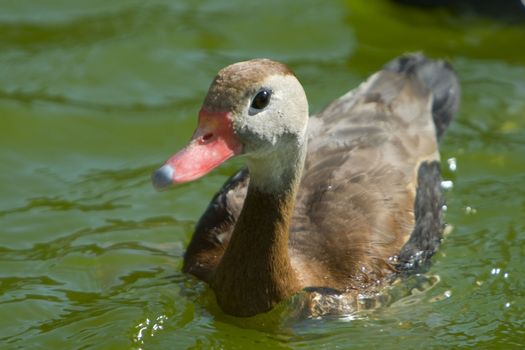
column 162, row 177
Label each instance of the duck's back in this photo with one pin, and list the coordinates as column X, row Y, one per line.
column 355, row 207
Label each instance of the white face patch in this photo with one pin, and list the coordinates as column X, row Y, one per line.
column 274, row 137
column 285, row 116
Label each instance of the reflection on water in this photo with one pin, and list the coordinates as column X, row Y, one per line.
column 92, row 98
column 149, row 327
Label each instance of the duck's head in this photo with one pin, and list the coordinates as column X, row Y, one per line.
column 256, row 108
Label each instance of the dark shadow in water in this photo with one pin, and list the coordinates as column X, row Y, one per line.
column 508, row 10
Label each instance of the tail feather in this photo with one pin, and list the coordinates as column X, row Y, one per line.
column 441, row 80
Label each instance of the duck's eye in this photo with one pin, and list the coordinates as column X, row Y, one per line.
column 261, row 100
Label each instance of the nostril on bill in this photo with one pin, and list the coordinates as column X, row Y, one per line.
column 207, row 136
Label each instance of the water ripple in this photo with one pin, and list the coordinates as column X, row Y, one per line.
column 65, row 245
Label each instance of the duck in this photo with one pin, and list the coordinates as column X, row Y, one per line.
column 340, row 202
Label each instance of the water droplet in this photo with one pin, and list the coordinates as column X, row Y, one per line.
column 452, row 165
column 469, row 210
column 140, row 333
column 447, row 184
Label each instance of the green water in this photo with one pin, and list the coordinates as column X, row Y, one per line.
column 94, row 95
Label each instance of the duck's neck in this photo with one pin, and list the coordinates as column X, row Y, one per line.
column 255, row 272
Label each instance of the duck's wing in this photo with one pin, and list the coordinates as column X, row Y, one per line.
column 441, row 80
column 357, row 206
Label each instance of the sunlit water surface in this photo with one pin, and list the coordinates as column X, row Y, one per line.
column 95, row 95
